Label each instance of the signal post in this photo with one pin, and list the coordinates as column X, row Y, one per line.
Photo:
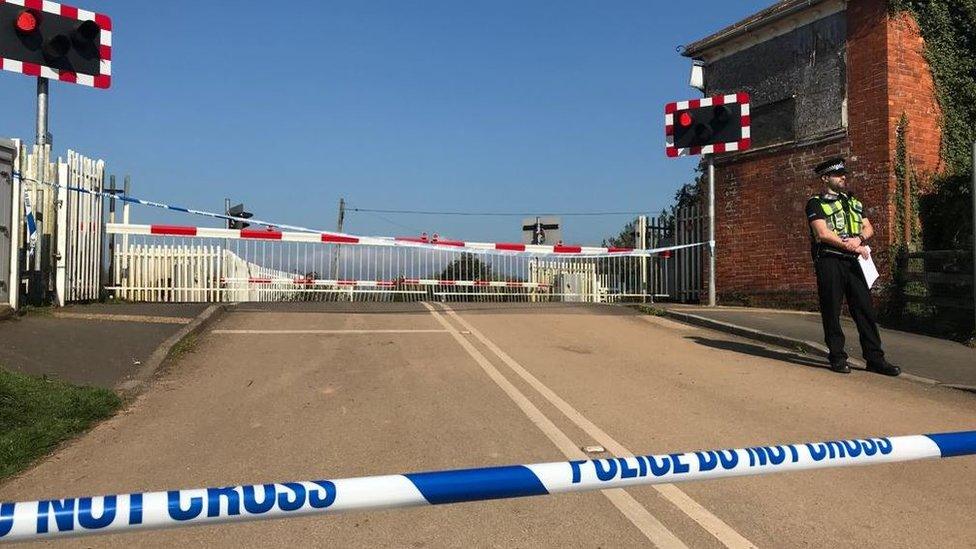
column 707, row 126
column 52, row 41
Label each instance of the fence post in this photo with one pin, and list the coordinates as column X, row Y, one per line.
column 642, row 244
column 16, row 207
column 61, row 235
column 126, row 258
column 111, row 240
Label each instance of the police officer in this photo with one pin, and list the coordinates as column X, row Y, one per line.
column 839, row 231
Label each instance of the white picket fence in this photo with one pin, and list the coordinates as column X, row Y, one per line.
column 42, row 199
column 191, row 273
column 79, row 249
column 577, row 280
column 70, row 227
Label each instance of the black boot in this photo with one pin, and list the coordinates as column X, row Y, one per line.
column 841, row 367
column 884, row 368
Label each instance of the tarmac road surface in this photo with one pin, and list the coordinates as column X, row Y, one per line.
column 284, row 392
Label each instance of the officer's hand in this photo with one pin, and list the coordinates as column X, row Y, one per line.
column 863, row 251
column 851, row 246
column 856, row 240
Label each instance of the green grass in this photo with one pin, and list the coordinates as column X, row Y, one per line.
column 182, row 347
column 37, row 413
column 36, row 311
column 649, row 309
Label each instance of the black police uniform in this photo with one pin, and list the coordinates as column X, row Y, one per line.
column 839, row 275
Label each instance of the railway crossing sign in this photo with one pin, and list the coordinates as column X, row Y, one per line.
column 716, row 124
column 56, row 42
column 541, row 231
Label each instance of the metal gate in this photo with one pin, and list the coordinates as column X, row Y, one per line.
column 676, row 276
column 690, row 225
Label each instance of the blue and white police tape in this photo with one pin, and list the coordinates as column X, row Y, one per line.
column 473, row 247
column 31, row 223
column 181, row 209
column 175, row 508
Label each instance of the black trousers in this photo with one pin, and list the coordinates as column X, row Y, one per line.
column 837, row 278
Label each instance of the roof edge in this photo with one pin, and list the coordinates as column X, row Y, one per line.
column 777, row 12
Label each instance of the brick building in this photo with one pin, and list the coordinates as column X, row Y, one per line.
column 827, row 78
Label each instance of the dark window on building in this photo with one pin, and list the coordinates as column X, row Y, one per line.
column 797, row 81
column 775, row 121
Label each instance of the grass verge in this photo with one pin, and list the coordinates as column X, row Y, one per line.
column 37, row 413
column 648, row 309
column 182, row 347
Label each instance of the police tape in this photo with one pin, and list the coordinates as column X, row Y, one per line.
column 273, row 232
column 178, row 508
column 409, row 242
column 163, row 205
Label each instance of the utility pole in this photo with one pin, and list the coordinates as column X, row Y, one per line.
column 339, row 222
column 972, row 195
column 42, row 254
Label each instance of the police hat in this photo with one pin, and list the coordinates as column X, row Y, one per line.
column 835, row 165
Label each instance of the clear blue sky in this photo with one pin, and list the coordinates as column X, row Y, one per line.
column 436, row 105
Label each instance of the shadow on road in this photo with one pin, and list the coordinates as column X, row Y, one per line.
column 756, row 350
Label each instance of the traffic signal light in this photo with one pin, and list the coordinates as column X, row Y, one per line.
column 41, row 38
column 238, row 211
column 710, row 125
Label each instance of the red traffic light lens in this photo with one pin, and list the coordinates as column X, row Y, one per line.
column 26, row 22
column 685, row 119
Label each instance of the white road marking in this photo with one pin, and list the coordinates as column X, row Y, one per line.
column 651, row 527
column 124, row 318
column 328, row 332
column 711, row 523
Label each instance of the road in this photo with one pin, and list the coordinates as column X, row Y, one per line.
column 290, row 392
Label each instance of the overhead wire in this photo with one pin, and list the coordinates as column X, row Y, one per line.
column 496, row 214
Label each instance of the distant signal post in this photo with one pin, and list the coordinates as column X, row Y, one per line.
column 706, row 126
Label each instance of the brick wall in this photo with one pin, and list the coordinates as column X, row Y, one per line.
column 911, row 91
column 763, row 243
column 761, row 232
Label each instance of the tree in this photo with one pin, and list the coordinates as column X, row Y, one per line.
column 627, row 238
column 467, row 266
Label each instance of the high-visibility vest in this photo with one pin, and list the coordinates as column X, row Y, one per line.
column 844, row 217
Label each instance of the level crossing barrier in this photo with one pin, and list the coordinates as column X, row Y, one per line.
column 51, row 518
column 177, row 263
column 188, row 267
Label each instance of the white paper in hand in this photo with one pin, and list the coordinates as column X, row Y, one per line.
column 868, row 267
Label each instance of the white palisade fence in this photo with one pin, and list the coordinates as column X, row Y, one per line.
column 70, row 228
column 182, row 273
column 79, row 257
